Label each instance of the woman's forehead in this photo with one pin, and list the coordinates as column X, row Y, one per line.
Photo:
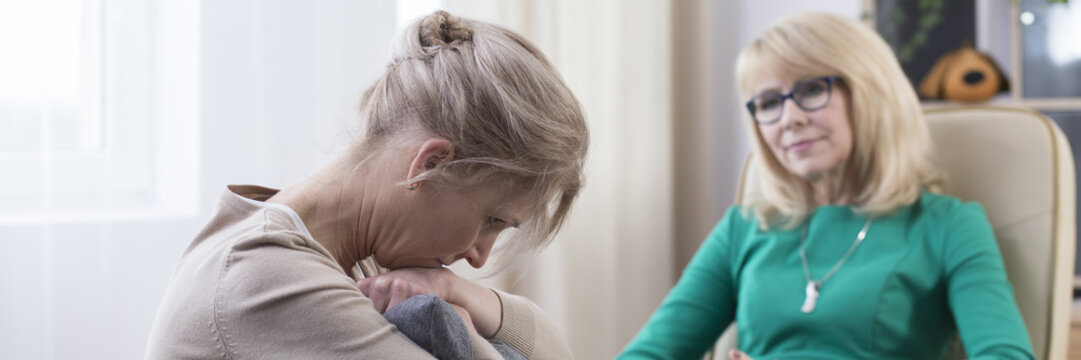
column 771, row 71
column 765, row 72
column 781, row 80
column 767, row 79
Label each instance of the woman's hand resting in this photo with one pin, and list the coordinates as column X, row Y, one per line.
column 482, row 306
column 389, row 289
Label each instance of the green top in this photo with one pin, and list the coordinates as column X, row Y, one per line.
column 921, row 273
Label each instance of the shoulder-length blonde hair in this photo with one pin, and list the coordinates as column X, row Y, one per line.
column 890, row 159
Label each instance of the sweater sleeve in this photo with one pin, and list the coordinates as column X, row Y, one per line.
column 980, row 296
column 698, row 308
column 278, row 298
column 528, row 330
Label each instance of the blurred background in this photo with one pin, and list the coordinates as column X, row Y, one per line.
column 122, row 120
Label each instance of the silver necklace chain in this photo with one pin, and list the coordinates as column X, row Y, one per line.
column 814, row 285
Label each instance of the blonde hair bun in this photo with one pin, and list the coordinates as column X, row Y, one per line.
column 444, row 30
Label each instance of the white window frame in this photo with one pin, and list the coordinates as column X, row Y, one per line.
column 171, row 134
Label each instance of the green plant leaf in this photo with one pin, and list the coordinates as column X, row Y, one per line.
column 929, row 21
column 906, row 54
column 919, row 39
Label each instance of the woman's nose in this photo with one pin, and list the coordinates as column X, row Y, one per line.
column 792, row 114
column 477, row 255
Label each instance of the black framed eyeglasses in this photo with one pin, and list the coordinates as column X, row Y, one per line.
column 810, row 94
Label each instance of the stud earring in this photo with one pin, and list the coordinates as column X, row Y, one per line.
column 413, row 186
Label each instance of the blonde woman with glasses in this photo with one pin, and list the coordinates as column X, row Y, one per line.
column 842, row 249
column 472, row 136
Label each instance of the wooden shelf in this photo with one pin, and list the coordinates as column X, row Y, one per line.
column 1041, row 104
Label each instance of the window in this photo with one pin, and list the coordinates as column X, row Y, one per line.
column 99, row 105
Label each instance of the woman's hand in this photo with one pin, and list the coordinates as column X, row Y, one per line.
column 738, row 355
column 389, row 289
column 482, row 305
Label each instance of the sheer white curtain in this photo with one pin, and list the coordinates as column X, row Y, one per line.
column 656, row 80
column 658, row 173
column 98, row 163
column 141, row 111
column 81, row 102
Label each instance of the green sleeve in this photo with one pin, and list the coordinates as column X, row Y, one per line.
column 980, row 295
column 698, row 308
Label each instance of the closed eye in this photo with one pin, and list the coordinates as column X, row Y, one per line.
column 499, row 223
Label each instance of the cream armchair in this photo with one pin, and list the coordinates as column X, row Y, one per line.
column 1018, row 164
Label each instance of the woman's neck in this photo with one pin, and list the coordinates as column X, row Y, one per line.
column 333, row 205
column 829, row 189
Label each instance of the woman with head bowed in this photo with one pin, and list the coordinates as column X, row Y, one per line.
column 471, row 136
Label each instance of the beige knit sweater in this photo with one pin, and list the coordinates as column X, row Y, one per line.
column 255, row 285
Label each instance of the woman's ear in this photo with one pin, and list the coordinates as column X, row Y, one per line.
column 431, row 153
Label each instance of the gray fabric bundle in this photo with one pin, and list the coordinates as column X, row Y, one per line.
column 434, row 325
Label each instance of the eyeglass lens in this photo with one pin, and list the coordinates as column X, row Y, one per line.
column 808, row 95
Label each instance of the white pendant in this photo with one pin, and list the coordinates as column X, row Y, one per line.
column 811, row 299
